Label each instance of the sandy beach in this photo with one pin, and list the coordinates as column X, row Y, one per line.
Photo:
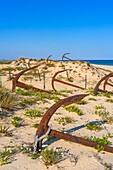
column 94, row 110
column 104, row 67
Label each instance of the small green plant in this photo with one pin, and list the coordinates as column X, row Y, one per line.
column 51, row 157
column 36, row 125
column 102, row 113
column 26, row 102
column 99, row 148
column 27, row 150
column 90, row 91
column 109, row 135
column 109, row 120
column 109, row 100
column 107, row 94
column 92, row 126
column 4, row 130
column 67, row 91
column 70, row 79
column 40, row 96
column 16, row 121
column 5, row 156
column 75, row 109
column 50, row 64
column 7, row 99
column 49, row 137
column 5, row 62
column 99, row 107
column 56, row 98
column 25, row 92
column 61, row 93
column 82, row 102
column 92, row 98
column 32, row 113
column 104, row 140
column 65, row 120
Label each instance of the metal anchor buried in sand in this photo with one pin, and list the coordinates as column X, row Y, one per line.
column 15, row 81
column 63, row 82
column 66, row 57
column 104, row 79
column 44, row 130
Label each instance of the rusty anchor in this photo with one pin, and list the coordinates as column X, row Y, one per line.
column 66, row 57
column 44, row 129
column 15, row 81
column 48, row 58
column 63, row 82
column 105, row 80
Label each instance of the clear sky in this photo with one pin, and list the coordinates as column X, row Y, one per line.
column 39, row 28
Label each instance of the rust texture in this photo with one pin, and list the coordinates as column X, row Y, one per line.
column 105, row 80
column 43, row 126
column 15, row 81
column 63, row 82
column 66, row 57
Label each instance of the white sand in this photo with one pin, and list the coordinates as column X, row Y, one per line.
column 88, row 158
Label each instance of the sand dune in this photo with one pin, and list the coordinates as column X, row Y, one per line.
column 75, row 156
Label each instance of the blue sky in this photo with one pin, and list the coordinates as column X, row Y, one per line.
column 38, row 28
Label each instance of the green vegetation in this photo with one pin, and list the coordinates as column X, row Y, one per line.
column 56, row 99
column 25, row 92
column 65, row 120
column 104, row 140
column 50, row 64
column 67, row 91
column 90, row 91
column 110, row 120
column 7, row 99
column 20, row 68
column 82, row 102
column 5, row 156
column 16, row 121
column 70, row 79
column 5, row 62
column 102, row 113
column 92, row 126
column 43, row 95
column 27, row 150
column 107, row 94
column 99, row 107
column 75, row 109
column 109, row 100
column 51, row 157
column 61, row 93
column 32, row 113
column 4, row 130
column 99, row 148
column 91, row 98
column 36, row 125
column 26, row 102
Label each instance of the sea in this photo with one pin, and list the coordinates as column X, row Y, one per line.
column 100, row 62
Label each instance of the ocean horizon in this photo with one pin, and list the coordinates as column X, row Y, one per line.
column 99, row 62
